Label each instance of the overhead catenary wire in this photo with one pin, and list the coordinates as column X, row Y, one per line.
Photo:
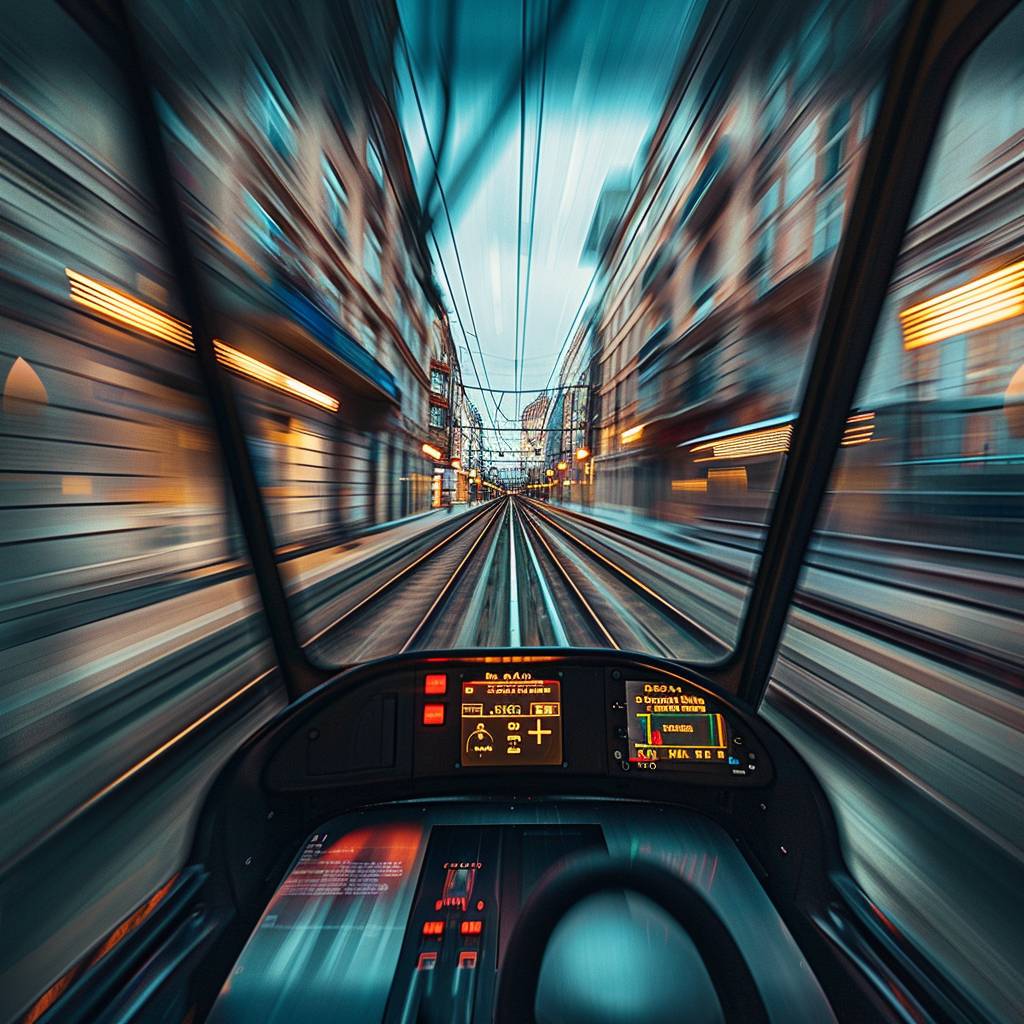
column 708, row 94
column 533, row 198
column 519, row 203
column 451, row 228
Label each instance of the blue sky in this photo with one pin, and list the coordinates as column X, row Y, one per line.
column 608, row 72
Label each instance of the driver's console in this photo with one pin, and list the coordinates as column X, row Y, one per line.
column 383, row 844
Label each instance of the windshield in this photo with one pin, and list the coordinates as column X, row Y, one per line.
column 544, row 253
column 341, row 329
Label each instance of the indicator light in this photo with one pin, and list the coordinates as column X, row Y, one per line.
column 471, row 927
column 433, row 927
column 433, row 714
column 435, row 685
column 467, row 959
column 479, row 904
column 428, row 961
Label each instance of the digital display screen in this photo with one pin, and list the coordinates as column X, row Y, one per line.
column 673, row 727
column 511, row 722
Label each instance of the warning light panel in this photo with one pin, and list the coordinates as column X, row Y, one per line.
column 435, row 685
column 433, row 714
column 511, row 722
column 673, row 727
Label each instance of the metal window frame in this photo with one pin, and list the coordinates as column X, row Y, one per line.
column 937, row 38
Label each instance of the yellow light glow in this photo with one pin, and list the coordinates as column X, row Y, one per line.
column 582, row 454
column 248, row 366
column 119, row 306
column 690, row 485
column 742, row 446
column 140, row 316
column 430, row 451
column 563, row 465
column 985, row 300
column 549, row 472
column 633, row 434
column 456, row 463
column 728, row 479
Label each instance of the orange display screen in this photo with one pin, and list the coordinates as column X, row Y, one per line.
column 517, row 722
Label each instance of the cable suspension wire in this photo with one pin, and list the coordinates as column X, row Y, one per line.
column 533, row 198
column 519, row 214
column 708, row 94
column 455, row 245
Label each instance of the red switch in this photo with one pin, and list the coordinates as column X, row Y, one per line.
column 433, row 714
column 427, row 961
column 436, row 685
column 467, row 958
column 471, row 927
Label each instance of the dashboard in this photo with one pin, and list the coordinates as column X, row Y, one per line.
column 532, row 718
column 410, row 806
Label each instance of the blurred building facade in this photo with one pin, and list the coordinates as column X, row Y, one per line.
column 304, row 211
column 714, row 277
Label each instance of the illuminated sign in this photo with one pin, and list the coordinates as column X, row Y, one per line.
column 985, row 300
column 671, row 726
column 140, row 316
column 631, row 435
column 430, row 451
column 511, row 722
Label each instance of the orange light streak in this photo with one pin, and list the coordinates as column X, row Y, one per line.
column 986, row 300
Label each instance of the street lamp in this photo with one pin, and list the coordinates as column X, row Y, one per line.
column 549, row 472
column 582, row 454
column 563, row 465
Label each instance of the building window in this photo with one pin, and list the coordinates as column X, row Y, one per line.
column 335, row 199
column 439, row 382
column 828, row 224
column 835, row 142
column 272, row 111
column 373, row 162
column 437, row 416
column 368, row 338
column 371, row 256
column 705, row 281
column 261, row 226
column 801, row 163
column 700, row 382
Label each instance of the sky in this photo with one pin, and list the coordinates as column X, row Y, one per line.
column 609, row 68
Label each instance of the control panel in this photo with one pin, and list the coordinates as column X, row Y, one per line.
column 550, row 718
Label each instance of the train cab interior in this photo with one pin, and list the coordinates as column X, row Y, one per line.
column 505, row 768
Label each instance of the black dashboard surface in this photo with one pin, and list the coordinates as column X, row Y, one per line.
column 365, row 907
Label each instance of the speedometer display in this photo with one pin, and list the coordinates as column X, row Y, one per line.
column 674, row 727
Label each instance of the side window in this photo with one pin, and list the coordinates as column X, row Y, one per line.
column 130, row 619
column 898, row 677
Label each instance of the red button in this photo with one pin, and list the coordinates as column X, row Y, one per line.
column 433, row 714
column 433, row 927
column 427, row 961
column 471, row 927
column 435, row 685
column 467, row 959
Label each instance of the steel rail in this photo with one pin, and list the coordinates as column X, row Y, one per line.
column 680, row 617
column 547, row 598
column 958, row 652
column 397, row 578
column 453, row 577
column 584, row 603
